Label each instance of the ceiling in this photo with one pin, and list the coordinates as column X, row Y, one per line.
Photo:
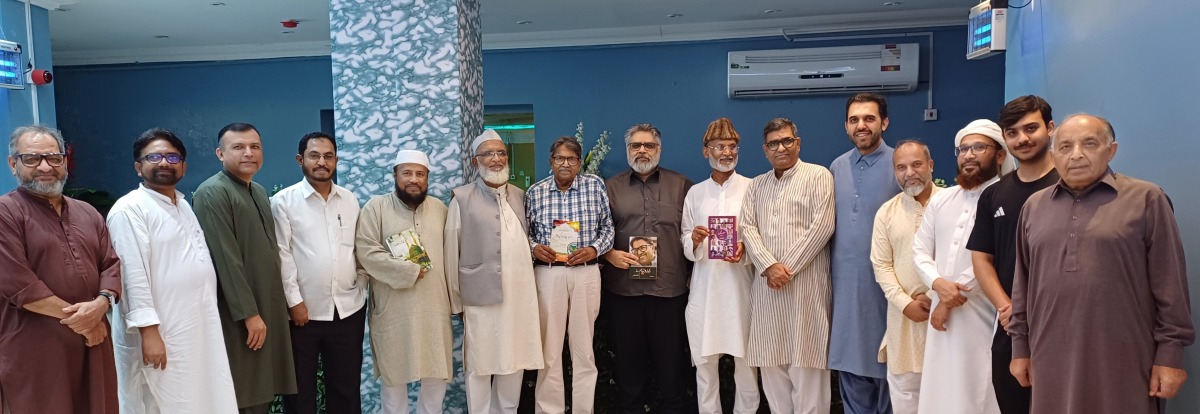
column 124, row 31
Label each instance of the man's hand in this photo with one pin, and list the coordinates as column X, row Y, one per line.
column 544, row 253
column 1165, row 381
column 256, row 332
column 299, row 313
column 950, row 293
column 777, row 275
column 1019, row 367
column 698, row 235
column 581, row 256
column 85, row 315
column 939, row 317
column 154, row 351
column 917, row 311
column 421, row 274
column 737, row 257
column 1005, row 315
column 95, row 335
column 620, row 259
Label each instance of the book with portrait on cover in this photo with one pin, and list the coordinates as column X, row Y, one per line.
column 722, row 237
column 646, row 250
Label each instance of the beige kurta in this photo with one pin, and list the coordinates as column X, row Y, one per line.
column 505, row 337
column 410, row 318
column 896, row 222
column 789, row 220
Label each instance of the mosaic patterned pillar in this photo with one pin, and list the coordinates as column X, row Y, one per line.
column 407, row 74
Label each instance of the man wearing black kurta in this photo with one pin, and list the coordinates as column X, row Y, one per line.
column 236, row 217
column 1100, row 313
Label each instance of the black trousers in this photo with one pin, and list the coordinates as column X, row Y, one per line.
column 1013, row 398
column 339, row 343
column 649, row 338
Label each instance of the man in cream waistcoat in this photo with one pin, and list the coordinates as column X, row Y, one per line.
column 489, row 270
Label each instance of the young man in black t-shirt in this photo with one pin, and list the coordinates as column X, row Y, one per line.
column 1027, row 124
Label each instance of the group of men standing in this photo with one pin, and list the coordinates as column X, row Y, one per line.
column 1041, row 263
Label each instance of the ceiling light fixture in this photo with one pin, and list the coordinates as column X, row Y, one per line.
column 218, row 4
column 62, row 9
column 674, row 15
column 771, row 11
column 161, row 37
column 524, row 22
column 892, row 3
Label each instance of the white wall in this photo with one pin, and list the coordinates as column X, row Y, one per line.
column 1135, row 63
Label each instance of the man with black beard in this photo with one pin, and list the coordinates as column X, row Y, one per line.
column 410, row 305
column 1027, row 124
column 958, row 356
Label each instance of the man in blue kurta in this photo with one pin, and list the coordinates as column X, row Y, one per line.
column 863, row 181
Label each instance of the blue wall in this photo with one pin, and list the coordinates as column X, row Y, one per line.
column 103, row 109
column 679, row 87
column 1125, row 61
column 16, row 106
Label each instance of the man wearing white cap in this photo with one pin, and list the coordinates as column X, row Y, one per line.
column 399, row 247
column 957, row 367
column 490, row 272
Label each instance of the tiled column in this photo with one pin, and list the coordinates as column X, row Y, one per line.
column 407, row 74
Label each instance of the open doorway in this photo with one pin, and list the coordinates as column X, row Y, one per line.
column 515, row 124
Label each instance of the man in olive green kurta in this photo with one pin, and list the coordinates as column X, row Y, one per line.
column 236, row 217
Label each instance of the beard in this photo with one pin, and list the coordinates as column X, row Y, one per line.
column 915, row 189
column 716, row 164
column 985, row 172
column 494, row 177
column 409, row 199
column 164, row 180
column 643, row 167
column 311, row 175
column 42, row 188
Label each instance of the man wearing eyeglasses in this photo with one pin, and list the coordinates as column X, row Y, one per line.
column 863, row 181
column 489, row 272
column 958, row 349
column 718, row 309
column 59, row 275
column 170, row 348
column 645, row 316
column 314, row 227
column 570, row 212
column 787, row 219
column 235, row 213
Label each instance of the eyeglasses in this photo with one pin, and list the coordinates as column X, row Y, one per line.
column 55, row 159
column 637, row 146
column 722, row 148
column 315, row 157
column 491, row 155
column 785, row 142
column 568, row 161
column 643, row 248
column 172, row 158
column 977, row 149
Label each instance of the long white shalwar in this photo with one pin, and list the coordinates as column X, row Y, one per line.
column 718, row 309
column 169, row 280
column 506, row 337
column 957, row 371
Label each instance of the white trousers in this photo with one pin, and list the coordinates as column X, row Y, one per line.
column 905, row 391
column 429, row 398
column 490, row 394
column 796, row 390
column 569, row 301
column 708, row 392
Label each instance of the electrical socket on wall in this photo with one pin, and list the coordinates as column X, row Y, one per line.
column 930, row 114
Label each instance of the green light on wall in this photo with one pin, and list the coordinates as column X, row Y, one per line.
column 509, row 127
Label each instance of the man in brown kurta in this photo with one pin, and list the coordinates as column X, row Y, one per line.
column 1100, row 297
column 55, row 260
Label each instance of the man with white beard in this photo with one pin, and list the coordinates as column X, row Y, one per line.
column 489, row 270
column 645, row 315
column 718, row 309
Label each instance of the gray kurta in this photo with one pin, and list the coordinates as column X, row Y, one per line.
column 410, row 318
column 237, row 223
column 1099, row 296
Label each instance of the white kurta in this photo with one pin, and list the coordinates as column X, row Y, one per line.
column 410, row 317
column 505, row 337
column 169, row 281
column 957, row 370
column 718, row 309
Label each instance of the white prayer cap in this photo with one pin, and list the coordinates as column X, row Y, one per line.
column 988, row 129
column 487, row 135
column 411, row 157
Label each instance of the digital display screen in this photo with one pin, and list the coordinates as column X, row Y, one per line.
column 11, row 75
column 979, row 35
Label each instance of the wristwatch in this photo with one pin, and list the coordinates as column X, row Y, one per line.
column 112, row 299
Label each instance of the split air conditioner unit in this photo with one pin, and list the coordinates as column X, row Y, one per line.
column 824, row 70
